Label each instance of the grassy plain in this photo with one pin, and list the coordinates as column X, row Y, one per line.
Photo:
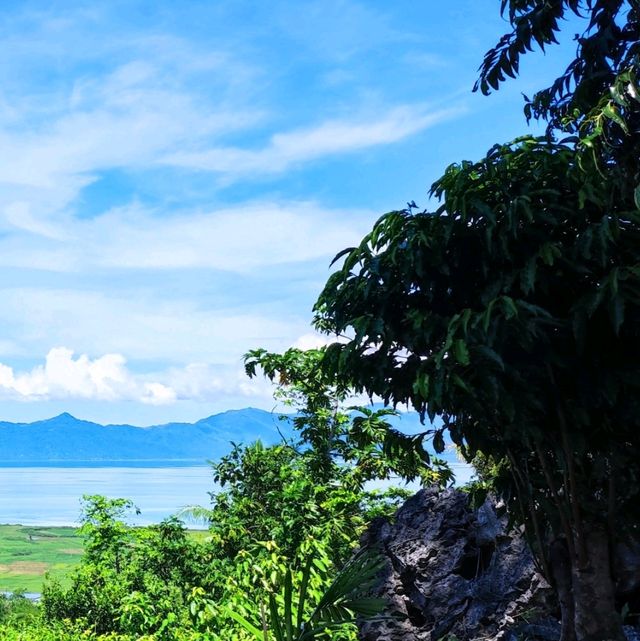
column 28, row 552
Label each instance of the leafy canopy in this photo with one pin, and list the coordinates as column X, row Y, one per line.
column 596, row 99
column 357, row 443
column 513, row 311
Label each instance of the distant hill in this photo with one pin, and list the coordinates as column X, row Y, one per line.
column 66, row 438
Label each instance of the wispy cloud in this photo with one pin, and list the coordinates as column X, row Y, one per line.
column 127, row 120
column 246, row 237
column 139, row 323
column 174, row 184
column 329, row 138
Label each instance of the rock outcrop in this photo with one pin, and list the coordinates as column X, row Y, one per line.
column 453, row 573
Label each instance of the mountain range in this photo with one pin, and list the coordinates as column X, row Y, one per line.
column 65, row 438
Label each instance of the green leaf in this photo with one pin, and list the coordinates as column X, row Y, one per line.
column 244, row 622
column 616, row 312
column 288, row 602
column 457, row 380
column 610, row 112
column 438, row 442
column 547, row 254
column 306, row 575
column 274, row 620
column 528, row 276
column 486, row 318
column 421, row 386
column 490, row 354
column 509, row 307
column 461, row 351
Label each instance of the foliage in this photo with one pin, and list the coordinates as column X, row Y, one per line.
column 597, row 97
column 334, row 610
column 513, row 312
column 360, row 439
column 608, row 47
column 272, row 494
column 130, row 581
column 74, row 631
column 266, row 593
column 17, row 610
column 272, row 517
column 107, row 536
column 285, row 521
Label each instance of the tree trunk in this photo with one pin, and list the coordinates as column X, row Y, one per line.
column 560, row 562
column 595, row 615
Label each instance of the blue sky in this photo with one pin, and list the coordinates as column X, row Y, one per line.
column 176, row 177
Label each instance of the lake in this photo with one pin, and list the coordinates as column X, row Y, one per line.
column 50, row 494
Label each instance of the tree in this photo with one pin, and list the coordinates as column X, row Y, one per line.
column 607, row 48
column 130, row 580
column 274, row 494
column 513, row 311
column 108, row 539
column 335, row 433
column 597, row 97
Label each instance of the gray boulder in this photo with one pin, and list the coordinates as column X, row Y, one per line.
column 453, row 573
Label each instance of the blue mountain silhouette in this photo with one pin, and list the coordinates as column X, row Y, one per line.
column 66, row 438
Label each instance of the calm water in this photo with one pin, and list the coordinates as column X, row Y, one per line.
column 51, row 495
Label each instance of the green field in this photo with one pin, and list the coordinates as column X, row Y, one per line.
column 28, row 552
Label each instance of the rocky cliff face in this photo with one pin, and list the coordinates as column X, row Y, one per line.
column 455, row 573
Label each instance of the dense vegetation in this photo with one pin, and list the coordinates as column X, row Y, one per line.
column 512, row 311
column 277, row 559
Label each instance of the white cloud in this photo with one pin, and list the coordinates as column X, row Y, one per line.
column 120, row 232
column 157, row 394
column 234, row 239
column 147, row 112
column 143, row 325
column 63, row 376
column 204, row 382
column 107, row 378
column 325, row 139
column 240, row 239
column 128, row 118
column 313, row 340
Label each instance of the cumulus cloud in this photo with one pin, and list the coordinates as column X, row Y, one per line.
column 64, row 375
column 205, row 382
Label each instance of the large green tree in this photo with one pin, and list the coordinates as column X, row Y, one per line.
column 513, row 311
